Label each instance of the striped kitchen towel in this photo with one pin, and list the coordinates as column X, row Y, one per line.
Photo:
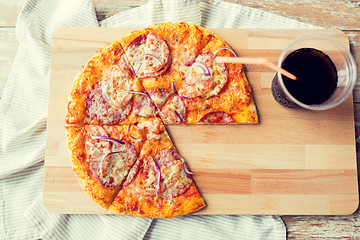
column 23, row 113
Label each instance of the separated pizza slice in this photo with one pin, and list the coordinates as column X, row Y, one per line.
column 159, row 184
column 101, row 157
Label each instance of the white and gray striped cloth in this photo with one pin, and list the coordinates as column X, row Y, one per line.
column 23, row 113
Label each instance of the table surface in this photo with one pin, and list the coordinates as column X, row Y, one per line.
column 339, row 14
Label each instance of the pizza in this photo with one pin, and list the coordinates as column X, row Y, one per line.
column 122, row 100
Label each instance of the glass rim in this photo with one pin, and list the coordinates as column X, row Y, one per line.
column 350, row 61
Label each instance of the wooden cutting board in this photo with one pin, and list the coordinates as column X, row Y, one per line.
column 294, row 162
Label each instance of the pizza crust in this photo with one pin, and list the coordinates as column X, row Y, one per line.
column 128, row 204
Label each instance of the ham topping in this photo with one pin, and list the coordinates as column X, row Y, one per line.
column 204, row 77
column 149, row 55
column 110, row 161
column 174, row 111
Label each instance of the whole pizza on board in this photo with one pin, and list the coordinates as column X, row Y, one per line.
column 163, row 74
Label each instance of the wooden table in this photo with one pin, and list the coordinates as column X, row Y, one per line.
column 339, row 14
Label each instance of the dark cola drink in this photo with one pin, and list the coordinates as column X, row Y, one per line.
column 316, row 74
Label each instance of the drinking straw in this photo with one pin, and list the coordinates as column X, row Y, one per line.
column 259, row 61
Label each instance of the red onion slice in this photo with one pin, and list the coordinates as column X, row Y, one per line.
column 132, row 124
column 176, row 92
column 142, row 93
column 183, row 165
column 179, row 116
column 141, row 58
column 203, row 67
column 106, row 96
column 174, row 87
column 108, row 139
column 183, row 97
column 103, row 167
column 225, row 48
column 158, row 175
column 187, row 172
column 153, row 56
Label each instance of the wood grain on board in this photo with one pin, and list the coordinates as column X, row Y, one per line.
column 293, row 162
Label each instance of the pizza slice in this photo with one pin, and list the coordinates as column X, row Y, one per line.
column 101, row 157
column 159, row 184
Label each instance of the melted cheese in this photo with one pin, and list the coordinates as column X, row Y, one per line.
column 174, row 111
column 179, row 187
column 144, row 107
column 101, row 108
column 146, row 111
column 198, row 78
column 148, row 54
column 221, row 77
